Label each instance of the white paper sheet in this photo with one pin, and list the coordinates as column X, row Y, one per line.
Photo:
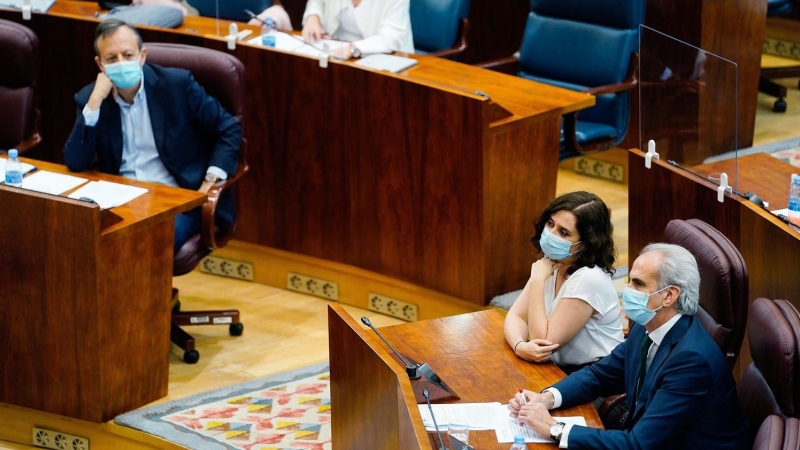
column 508, row 427
column 107, row 194
column 388, row 63
column 479, row 416
column 296, row 44
column 51, row 183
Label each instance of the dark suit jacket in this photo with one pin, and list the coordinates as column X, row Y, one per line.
column 192, row 130
column 688, row 399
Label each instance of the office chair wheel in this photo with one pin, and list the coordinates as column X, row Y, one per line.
column 236, row 329
column 191, row 357
column 779, row 106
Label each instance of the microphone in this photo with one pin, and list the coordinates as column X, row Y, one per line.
column 433, row 416
column 411, row 369
column 271, row 25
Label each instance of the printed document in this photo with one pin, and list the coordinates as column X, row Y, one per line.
column 479, row 416
column 51, row 182
column 107, row 194
column 295, row 44
column 508, row 427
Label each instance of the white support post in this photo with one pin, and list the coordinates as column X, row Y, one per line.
column 651, row 153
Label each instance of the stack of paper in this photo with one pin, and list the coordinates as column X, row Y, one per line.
column 106, row 194
column 51, row 183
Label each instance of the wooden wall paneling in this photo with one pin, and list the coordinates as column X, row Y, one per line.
column 43, row 290
column 519, row 181
column 373, row 409
column 133, row 321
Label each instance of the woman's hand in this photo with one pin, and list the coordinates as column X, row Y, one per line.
column 312, row 30
column 543, row 268
column 536, row 350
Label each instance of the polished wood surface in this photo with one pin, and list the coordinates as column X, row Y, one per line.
column 467, row 351
column 732, row 30
column 417, row 176
column 769, row 246
column 73, row 341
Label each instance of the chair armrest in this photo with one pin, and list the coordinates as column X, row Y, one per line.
column 571, row 120
column 209, row 235
column 461, row 42
column 506, row 64
column 35, row 138
column 612, row 411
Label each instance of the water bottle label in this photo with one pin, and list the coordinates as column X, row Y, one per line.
column 268, row 40
column 794, row 204
column 14, row 177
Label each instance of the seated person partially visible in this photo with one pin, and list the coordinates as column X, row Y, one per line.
column 372, row 26
column 152, row 123
column 568, row 311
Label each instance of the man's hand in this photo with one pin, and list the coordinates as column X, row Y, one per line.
column 312, row 30
column 526, row 398
column 536, row 416
column 536, row 350
column 102, row 87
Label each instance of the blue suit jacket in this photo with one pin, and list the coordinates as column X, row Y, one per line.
column 688, row 399
column 192, row 130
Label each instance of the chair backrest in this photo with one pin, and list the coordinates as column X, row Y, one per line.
column 223, row 77
column 779, row 7
column 771, row 383
column 435, row 23
column 221, row 74
column 723, row 282
column 579, row 44
column 19, row 49
column 230, row 9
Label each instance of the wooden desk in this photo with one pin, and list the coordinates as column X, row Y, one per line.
column 467, row 351
column 416, row 176
column 769, row 246
column 86, row 307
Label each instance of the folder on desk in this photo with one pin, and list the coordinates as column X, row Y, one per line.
column 26, row 168
column 389, row 63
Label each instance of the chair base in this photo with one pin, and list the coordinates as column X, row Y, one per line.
column 184, row 340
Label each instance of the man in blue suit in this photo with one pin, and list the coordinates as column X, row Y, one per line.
column 153, row 124
column 680, row 390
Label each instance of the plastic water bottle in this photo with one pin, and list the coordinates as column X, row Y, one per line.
column 13, row 169
column 269, row 33
column 519, row 443
column 794, row 200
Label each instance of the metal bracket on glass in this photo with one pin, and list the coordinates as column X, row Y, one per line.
column 723, row 186
column 26, row 10
column 326, row 54
column 651, row 153
column 233, row 36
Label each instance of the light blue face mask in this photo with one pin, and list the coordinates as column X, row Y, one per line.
column 635, row 305
column 124, row 74
column 554, row 247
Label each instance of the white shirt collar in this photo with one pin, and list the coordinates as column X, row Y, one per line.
column 658, row 335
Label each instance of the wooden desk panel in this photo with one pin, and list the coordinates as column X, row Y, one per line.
column 467, row 351
column 415, row 175
column 85, row 328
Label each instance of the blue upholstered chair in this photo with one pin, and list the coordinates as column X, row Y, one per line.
column 589, row 46
column 777, row 8
column 230, row 9
column 439, row 26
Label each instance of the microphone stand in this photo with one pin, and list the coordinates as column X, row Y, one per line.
column 411, row 369
column 433, row 416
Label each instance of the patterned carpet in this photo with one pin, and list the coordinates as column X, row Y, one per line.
column 791, row 156
column 287, row 411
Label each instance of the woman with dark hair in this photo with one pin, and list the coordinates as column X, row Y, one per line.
column 569, row 311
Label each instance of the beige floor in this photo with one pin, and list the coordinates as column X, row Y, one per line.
column 285, row 330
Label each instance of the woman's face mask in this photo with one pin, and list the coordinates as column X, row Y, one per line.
column 554, row 247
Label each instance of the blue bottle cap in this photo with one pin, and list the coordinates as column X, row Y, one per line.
column 519, row 439
column 13, row 153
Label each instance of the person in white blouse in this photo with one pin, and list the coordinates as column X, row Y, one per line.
column 371, row 26
column 569, row 311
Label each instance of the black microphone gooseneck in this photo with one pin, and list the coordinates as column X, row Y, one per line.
column 433, row 416
column 254, row 16
column 411, row 369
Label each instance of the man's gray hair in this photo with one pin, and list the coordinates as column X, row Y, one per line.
column 678, row 267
